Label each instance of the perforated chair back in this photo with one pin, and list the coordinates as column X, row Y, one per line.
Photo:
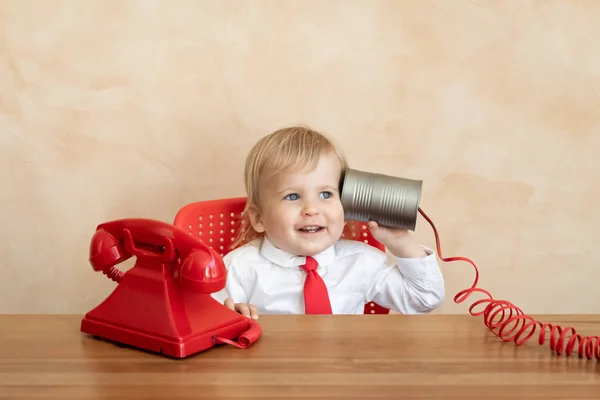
column 216, row 223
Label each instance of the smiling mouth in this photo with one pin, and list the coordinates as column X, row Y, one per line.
column 311, row 229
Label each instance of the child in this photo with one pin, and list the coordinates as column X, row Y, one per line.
column 294, row 219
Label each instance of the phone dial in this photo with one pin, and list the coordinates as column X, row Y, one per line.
column 163, row 303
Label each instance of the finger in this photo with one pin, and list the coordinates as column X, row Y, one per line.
column 253, row 311
column 229, row 303
column 243, row 309
column 376, row 230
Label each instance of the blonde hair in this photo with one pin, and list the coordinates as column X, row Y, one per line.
column 288, row 149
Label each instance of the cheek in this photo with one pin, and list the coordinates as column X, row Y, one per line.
column 289, row 215
column 280, row 217
column 336, row 212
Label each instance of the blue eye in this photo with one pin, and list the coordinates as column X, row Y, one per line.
column 292, row 196
column 326, row 195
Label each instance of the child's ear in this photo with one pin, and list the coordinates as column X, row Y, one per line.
column 255, row 219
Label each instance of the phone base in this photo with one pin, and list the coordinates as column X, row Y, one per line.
column 181, row 347
column 156, row 314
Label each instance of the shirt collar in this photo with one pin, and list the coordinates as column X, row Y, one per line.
column 285, row 259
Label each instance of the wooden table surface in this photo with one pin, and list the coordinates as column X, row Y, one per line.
column 299, row 357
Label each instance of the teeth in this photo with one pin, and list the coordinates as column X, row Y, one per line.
column 310, row 228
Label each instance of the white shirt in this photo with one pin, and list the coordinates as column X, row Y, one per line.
column 355, row 273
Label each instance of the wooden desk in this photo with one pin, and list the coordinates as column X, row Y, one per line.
column 299, row 357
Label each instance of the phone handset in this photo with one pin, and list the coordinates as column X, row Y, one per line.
column 156, row 243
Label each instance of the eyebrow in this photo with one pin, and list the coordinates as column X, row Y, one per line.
column 332, row 188
column 287, row 189
column 294, row 189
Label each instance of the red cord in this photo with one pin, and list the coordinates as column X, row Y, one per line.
column 504, row 318
column 114, row 273
column 247, row 338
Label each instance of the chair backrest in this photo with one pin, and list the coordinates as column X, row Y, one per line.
column 216, row 223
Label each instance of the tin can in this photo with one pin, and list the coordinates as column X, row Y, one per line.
column 390, row 201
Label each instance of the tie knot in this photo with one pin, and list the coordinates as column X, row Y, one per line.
column 311, row 264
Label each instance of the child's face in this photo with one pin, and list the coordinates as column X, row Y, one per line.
column 301, row 213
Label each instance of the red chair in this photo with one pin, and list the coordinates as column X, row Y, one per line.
column 216, row 223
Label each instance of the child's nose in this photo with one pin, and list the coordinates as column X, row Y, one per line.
column 310, row 208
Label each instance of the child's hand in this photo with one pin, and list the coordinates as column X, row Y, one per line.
column 397, row 241
column 247, row 310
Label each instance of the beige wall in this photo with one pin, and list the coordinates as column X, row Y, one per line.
column 123, row 109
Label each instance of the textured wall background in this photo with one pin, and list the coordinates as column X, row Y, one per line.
column 113, row 109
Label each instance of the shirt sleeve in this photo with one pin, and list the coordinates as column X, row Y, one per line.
column 407, row 285
column 233, row 288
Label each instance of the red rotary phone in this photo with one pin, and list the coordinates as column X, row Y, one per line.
column 163, row 303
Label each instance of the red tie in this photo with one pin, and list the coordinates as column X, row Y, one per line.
column 316, row 299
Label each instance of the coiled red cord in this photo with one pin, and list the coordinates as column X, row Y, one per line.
column 247, row 338
column 114, row 273
column 510, row 323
